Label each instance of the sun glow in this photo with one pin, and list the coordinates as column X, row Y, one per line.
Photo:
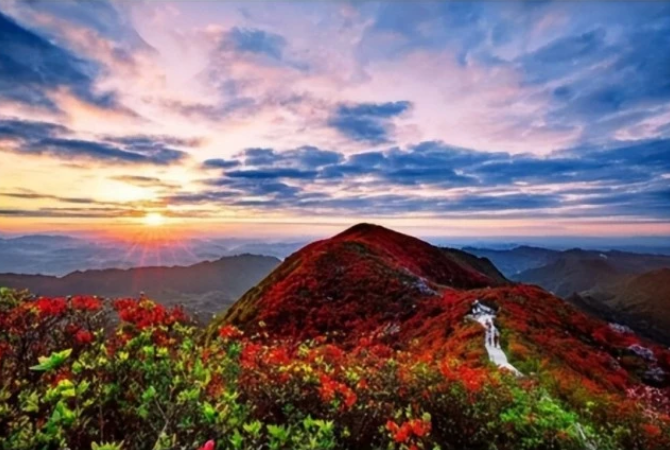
column 153, row 219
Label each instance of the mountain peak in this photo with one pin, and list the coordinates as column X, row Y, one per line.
column 362, row 278
column 364, row 229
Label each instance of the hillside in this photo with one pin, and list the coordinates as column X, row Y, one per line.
column 206, row 287
column 570, row 273
column 362, row 278
column 480, row 264
column 516, row 260
column 371, row 281
column 519, row 262
column 641, row 302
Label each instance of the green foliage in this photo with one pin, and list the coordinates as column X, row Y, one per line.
column 107, row 446
column 54, row 361
column 537, row 416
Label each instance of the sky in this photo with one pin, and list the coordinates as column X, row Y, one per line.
column 261, row 118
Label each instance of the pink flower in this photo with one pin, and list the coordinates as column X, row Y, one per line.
column 209, row 445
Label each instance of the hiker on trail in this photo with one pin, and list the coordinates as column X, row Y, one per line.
column 485, row 316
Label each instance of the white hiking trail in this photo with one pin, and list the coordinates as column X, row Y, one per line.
column 486, row 316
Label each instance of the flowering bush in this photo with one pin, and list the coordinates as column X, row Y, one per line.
column 71, row 379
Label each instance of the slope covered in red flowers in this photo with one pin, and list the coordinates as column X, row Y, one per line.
column 373, row 284
column 360, row 280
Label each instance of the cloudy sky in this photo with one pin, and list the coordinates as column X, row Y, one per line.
column 456, row 118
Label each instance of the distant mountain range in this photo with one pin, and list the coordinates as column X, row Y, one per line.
column 203, row 288
column 570, row 273
column 525, row 263
column 567, row 272
column 59, row 254
column 640, row 301
column 515, row 260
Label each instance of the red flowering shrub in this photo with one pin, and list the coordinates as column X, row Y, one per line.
column 409, row 433
column 83, row 337
column 144, row 313
column 86, row 303
column 228, row 332
column 32, row 327
column 151, row 383
column 50, row 307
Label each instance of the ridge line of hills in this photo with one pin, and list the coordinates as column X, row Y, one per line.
column 203, row 288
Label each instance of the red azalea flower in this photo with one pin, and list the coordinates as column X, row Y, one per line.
column 228, row 332
column 86, row 303
column 419, row 427
column 327, row 388
column 651, row 430
column 83, row 337
column 278, row 357
column 349, row 399
column 249, row 356
column 392, row 426
column 209, row 445
column 403, row 434
column 51, row 306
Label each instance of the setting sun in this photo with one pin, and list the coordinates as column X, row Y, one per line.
column 153, row 219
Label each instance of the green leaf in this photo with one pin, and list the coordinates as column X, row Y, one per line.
column 107, row 446
column 62, row 414
column 209, row 412
column 31, row 403
column 278, row 432
column 83, row 387
column 77, row 367
column 53, row 361
column 143, row 412
column 66, row 389
column 253, row 428
column 149, row 393
column 236, row 439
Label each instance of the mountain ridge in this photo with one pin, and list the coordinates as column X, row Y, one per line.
column 639, row 301
column 373, row 262
column 204, row 287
